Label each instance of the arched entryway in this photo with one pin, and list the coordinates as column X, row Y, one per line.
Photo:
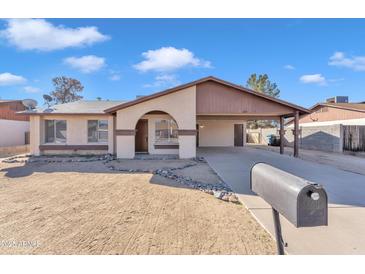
column 156, row 132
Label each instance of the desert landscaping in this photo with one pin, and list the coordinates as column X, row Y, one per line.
column 70, row 206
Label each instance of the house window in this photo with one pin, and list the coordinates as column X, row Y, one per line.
column 55, row 131
column 166, row 132
column 97, row 131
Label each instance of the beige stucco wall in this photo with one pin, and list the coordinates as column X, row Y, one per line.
column 218, row 132
column 13, row 132
column 34, row 135
column 180, row 105
column 76, row 131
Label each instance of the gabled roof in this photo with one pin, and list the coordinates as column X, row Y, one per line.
column 202, row 80
column 348, row 106
column 77, row 107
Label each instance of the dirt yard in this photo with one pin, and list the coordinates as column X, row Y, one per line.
column 84, row 208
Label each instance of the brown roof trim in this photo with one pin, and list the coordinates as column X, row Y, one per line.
column 337, row 106
column 209, row 78
column 58, row 113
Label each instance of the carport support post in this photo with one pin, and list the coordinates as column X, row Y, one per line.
column 296, row 134
column 281, row 132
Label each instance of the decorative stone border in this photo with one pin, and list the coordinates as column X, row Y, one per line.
column 58, row 159
column 221, row 190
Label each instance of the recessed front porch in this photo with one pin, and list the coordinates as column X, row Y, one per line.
column 156, row 132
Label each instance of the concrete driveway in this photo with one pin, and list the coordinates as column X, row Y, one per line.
column 345, row 233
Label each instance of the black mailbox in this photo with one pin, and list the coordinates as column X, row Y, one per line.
column 301, row 202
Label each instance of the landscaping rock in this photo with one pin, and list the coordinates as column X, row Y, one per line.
column 225, row 197
column 219, row 189
column 234, row 199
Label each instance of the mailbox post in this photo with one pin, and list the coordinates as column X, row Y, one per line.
column 301, row 202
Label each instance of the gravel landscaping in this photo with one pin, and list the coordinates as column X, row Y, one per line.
column 194, row 173
column 71, row 205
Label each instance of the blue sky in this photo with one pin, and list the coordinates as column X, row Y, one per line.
column 115, row 59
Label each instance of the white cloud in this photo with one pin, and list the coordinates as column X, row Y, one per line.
column 114, row 75
column 164, row 80
column 38, row 34
column 169, row 59
column 86, row 64
column 313, row 79
column 7, row 79
column 356, row 63
column 289, row 67
column 29, row 89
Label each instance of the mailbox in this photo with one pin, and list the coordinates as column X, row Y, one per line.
column 301, row 202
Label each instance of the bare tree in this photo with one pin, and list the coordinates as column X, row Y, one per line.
column 66, row 90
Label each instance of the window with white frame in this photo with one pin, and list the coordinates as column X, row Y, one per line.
column 55, row 131
column 166, row 131
column 97, row 131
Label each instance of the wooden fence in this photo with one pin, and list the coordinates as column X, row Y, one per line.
column 354, row 138
column 259, row 136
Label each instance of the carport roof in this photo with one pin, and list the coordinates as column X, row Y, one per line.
column 202, row 80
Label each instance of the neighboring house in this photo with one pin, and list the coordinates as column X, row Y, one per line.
column 206, row 112
column 335, row 125
column 13, row 127
column 324, row 114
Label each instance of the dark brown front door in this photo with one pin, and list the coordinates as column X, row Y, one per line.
column 238, row 135
column 141, row 140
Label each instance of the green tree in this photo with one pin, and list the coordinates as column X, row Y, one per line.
column 264, row 85
column 65, row 90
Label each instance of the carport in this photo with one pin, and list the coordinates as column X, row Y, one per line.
column 222, row 105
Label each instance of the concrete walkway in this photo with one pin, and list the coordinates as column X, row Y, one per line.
column 346, row 192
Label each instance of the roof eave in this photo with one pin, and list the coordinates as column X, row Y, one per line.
column 199, row 81
column 59, row 113
column 336, row 106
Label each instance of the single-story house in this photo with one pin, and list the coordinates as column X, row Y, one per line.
column 202, row 113
column 335, row 125
column 13, row 127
